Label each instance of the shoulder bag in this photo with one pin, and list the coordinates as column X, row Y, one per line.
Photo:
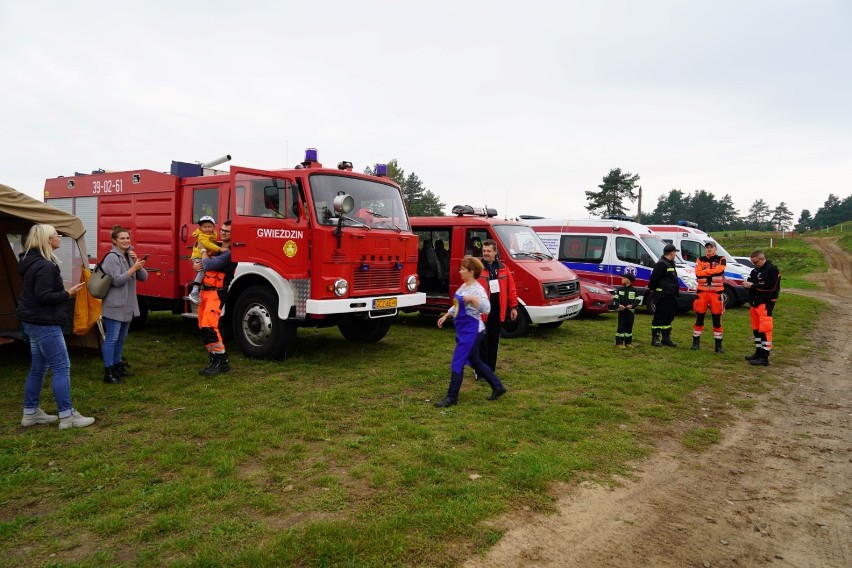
column 100, row 282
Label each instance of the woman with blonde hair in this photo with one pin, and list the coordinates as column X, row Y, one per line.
column 42, row 310
column 470, row 303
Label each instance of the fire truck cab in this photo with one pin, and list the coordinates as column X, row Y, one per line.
column 548, row 292
column 314, row 246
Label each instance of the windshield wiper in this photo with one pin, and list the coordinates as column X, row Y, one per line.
column 359, row 221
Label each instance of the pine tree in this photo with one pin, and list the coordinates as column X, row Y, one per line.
column 616, row 187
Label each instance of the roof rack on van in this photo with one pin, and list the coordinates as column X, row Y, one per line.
column 478, row 211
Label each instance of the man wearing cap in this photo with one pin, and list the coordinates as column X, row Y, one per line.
column 710, row 271
column 664, row 289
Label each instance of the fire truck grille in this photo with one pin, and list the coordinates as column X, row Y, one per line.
column 568, row 288
column 377, row 278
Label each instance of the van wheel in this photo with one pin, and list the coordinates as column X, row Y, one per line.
column 517, row 328
column 729, row 298
column 650, row 306
column 257, row 329
column 364, row 329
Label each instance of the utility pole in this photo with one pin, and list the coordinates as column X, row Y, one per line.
column 639, row 208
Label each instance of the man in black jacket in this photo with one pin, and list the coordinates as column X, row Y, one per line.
column 663, row 286
column 763, row 285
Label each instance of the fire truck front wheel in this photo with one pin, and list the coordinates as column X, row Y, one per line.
column 517, row 328
column 257, row 329
column 364, row 330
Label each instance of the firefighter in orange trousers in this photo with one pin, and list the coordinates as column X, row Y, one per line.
column 218, row 273
column 763, row 285
column 710, row 272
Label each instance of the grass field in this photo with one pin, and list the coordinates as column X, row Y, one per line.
column 336, row 457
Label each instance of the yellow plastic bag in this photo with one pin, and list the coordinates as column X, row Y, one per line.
column 87, row 309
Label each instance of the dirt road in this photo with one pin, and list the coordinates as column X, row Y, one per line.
column 777, row 491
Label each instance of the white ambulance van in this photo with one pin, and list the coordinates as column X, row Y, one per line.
column 605, row 249
column 690, row 241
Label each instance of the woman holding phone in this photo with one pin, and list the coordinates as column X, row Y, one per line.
column 120, row 304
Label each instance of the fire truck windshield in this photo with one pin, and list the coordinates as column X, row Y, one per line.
column 377, row 205
column 521, row 242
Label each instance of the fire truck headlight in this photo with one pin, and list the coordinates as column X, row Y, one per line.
column 551, row 291
column 341, row 287
column 411, row 283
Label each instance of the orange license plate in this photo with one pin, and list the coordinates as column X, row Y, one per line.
column 384, row 303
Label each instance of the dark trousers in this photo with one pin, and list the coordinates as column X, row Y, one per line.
column 665, row 311
column 489, row 346
column 624, row 333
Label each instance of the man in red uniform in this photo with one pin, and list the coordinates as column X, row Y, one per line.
column 218, row 273
column 710, row 272
column 763, row 285
column 500, row 285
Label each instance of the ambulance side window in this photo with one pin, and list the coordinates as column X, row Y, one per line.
column 628, row 250
column 205, row 202
column 690, row 250
column 582, row 249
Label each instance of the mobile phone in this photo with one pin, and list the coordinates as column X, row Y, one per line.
column 145, row 257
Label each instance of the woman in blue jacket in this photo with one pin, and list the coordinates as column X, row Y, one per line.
column 120, row 304
column 43, row 310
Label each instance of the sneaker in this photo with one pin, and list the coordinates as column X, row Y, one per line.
column 195, row 296
column 621, row 346
column 445, row 402
column 39, row 417
column 76, row 420
column 630, row 346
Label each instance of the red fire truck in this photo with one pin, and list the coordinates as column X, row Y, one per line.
column 315, row 246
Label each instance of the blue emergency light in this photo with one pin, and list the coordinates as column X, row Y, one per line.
column 310, row 154
column 382, row 170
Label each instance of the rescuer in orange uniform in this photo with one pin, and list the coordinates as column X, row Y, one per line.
column 218, row 273
column 710, row 272
column 763, row 285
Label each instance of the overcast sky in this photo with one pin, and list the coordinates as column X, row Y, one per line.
column 520, row 105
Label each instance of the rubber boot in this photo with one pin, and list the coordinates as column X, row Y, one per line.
column 762, row 360
column 719, row 346
column 696, row 342
column 667, row 338
column 111, row 376
column 655, row 338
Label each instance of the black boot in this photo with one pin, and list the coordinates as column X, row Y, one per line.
column 754, row 356
column 111, row 376
column 667, row 338
column 762, row 360
column 696, row 342
column 123, row 368
column 218, row 364
column 719, row 346
column 655, row 338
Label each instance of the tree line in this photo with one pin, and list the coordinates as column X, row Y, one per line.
column 710, row 213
